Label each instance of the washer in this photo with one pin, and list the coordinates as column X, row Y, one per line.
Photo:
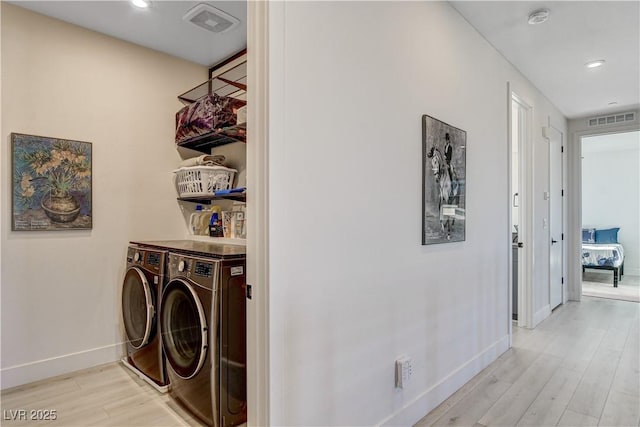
column 203, row 323
column 141, row 297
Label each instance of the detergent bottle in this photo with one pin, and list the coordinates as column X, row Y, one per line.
column 194, row 220
column 215, row 223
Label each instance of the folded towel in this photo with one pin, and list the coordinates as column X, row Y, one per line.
column 204, row 160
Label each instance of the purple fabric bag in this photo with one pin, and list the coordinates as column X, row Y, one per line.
column 206, row 115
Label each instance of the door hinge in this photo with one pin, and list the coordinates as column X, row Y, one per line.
column 562, row 149
column 562, row 236
column 562, row 282
column 562, row 193
column 249, row 293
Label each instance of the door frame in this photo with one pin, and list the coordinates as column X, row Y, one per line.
column 563, row 163
column 525, row 218
column 258, row 77
column 574, row 243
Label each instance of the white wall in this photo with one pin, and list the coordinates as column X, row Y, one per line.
column 351, row 287
column 610, row 193
column 60, row 290
column 579, row 128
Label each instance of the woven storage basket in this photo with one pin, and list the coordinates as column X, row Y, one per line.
column 197, row 181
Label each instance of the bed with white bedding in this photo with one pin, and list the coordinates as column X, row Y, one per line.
column 604, row 256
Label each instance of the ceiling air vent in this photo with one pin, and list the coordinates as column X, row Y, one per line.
column 211, row 19
column 612, row 119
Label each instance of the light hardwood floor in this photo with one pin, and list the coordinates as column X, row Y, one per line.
column 108, row 395
column 597, row 283
column 580, row 367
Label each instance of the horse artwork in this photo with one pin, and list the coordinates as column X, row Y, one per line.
column 444, row 182
column 448, row 190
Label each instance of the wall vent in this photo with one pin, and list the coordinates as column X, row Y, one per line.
column 211, row 19
column 612, row 119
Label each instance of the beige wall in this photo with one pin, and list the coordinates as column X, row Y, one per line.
column 60, row 290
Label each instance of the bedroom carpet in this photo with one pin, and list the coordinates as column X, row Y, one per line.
column 600, row 284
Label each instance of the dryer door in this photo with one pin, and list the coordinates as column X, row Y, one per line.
column 184, row 329
column 138, row 311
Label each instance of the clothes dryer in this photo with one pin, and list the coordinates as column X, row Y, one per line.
column 141, row 297
column 203, row 323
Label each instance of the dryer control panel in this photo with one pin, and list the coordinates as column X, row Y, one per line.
column 202, row 271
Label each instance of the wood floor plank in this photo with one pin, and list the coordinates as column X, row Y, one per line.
column 82, row 417
column 474, row 405
column 513, row 366
column 101, row 396
column 187, row 417
column 616, row 336
column 591, row 394
column 576, row 419
column 536, row 340
column 151, row 413
column 621, row 409
column 598, row 344
column 589, row 399
column 548, row 407
column 513, row 404
column 33, row 393
column 627, row 379
column 603, row 366
column 437, row 412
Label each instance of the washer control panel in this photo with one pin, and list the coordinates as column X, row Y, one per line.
column 153, row 258
column 148, row 259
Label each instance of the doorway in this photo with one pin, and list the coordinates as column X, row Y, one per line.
column 520, row 210
column 610, row 257
column 556, row 217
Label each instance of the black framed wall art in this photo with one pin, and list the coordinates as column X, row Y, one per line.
column 444, row 163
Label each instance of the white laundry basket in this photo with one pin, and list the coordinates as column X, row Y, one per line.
column 197, row 181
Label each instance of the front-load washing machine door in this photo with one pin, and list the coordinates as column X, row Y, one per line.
column 184, row 329
column 138, row 311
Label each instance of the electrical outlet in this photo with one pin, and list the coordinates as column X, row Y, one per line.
column 404, row 371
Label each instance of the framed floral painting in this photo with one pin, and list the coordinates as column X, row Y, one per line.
column 51, row 183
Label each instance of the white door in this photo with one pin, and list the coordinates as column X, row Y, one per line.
column 556, row 281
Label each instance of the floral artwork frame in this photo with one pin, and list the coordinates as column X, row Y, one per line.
column 444, row 182
column 51, row 183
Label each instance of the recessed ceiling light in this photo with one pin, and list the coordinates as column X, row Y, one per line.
column 538, row 16
column 142, row 4
column 595, row 64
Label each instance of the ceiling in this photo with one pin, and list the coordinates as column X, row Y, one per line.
column 159, row 27
column 552, row 55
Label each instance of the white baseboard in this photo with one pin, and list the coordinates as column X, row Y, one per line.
column 438, row 393
column 540, row 315
column 13, row 376
column 631, row 271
